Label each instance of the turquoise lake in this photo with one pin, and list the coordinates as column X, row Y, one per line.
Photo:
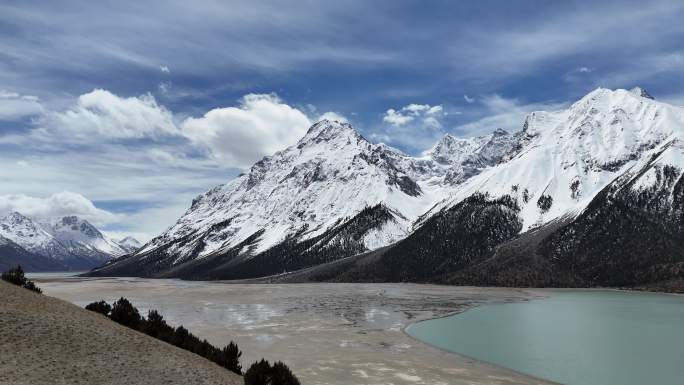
column 573, row 337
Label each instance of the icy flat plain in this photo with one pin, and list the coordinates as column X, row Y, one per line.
column 327, row 333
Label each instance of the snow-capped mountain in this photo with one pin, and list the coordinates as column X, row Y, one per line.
column 129, row 244
column 309, row 195
column 562, row 159
column 70, row 241
column 461, row 159
column 335, row 195
column 11, row 255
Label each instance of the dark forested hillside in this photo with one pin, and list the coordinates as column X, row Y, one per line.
column 343, row 240
column 449, row 241
column 627, row 237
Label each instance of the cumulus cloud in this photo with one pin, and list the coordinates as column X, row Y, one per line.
column 54, row 206
column 14, row 106
column 411, row 112
column 330, row 115
column 261, row 125
column 468, row 99
column 165, row 69
column 413, row 127
column 101, row 114
column 396, row 118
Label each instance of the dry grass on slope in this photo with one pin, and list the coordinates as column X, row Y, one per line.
column 45, row 340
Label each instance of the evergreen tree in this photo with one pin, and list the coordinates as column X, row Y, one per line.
column 232, row 356
column 16, row 276
column 101, row 307
column 126, row 314
column 157, row 327
column 282, row 375
column 262, row 373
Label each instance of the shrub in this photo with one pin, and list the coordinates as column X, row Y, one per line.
column 157, row 327
column 16, row 276
column 125, row 313
column 544, row 203
column 101, row 307
column 281, row 374
column 262, row 373
column 258, row 374
column 230, row 358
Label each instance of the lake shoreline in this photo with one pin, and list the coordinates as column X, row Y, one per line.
column 471, row 335
column 340, row 334
column 473, row 306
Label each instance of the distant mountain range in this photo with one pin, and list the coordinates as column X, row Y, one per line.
column 67, row 243
column 587, row 196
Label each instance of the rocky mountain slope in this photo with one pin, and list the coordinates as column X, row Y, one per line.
column 609, row 162
column 332, row 195
column 67, row 243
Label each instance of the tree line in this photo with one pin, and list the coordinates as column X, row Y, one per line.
column 123, row 312
column 16, row 276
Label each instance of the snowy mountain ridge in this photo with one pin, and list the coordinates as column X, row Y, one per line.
column 70, row 240
column 572, row 154
column 334, row 190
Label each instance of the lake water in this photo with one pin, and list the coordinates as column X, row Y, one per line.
column 573, row 337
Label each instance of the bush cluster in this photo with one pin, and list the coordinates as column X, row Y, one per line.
column 262, row 373
column 123, row 312
column 16, row 276
column 101, row 307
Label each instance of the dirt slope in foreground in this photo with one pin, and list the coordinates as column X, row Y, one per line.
column 44, row 340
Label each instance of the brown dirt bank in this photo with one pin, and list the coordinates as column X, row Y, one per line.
column 44, row 340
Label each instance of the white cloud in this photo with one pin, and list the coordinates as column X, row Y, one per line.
column 56, row 205
column 396, row 118
column 415, row 109
column 414, row 126
column 468, row 99
column 330, row 115
column 165, row 69
column 503, row 113
column 411, row 112
column 14, row 106
column 238, row 136
column 164, row 87
column 584, row 69
column 102, row 115
column 434, row 110
column 431, row 122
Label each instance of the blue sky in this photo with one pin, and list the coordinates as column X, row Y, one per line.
column 136, row 108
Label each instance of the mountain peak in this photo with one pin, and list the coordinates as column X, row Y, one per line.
column 17, row 216
column 76, row 224
column 326, row 130
column 129, row 244
column 641, row 92
column 129, row 240
column 602, row 93
column 500, row 132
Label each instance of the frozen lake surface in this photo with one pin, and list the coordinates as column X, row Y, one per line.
column 327, row 333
